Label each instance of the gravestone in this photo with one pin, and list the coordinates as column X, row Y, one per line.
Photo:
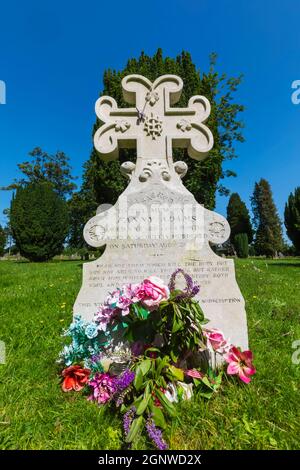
column 156, row 225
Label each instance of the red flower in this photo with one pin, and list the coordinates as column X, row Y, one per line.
column 240, row 363
column 75, row 378
column 157, row 402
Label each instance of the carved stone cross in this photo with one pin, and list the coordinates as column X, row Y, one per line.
column 153, row 125
column 157, row 225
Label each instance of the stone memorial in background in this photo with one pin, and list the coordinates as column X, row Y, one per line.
column 156, row 225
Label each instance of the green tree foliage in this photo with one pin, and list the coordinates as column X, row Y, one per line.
column 82, row 206
column 292, row 218
column 268, row 238
column 203, row 178
column 52, row 169
column 241, row 245
column 252, row 250
column 39, row 221
column 2, row 241
column 238, row 217
column 81, row 209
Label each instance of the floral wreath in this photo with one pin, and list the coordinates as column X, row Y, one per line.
column 147, row 349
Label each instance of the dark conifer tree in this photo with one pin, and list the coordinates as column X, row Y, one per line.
column 104, row 179
column 238, row 218
column 2, row 241
column 39, row 221
column 268, row 237
column 292, row 218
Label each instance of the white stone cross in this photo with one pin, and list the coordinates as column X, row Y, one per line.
column 153, row 126
column 157, row 225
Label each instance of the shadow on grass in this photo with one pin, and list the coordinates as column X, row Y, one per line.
column 284, row 264
column 52, row 261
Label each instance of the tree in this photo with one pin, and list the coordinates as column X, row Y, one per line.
column 241, row 245
column 238, row 218
column 292, row 218
column 2, row 241
column 203, row 178
column 82, row 206
column 81, row 209
column 39, row 221
column 8, row 231
column 52, row 169
column 268, row 238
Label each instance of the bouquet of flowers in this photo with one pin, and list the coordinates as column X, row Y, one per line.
column 147, row 349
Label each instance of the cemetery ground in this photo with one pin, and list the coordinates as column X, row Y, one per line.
column 36, row 303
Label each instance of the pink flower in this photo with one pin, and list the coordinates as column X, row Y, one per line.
column 151, row 292
column 104, row 316
column 193, row 373
column 240, row 363
column 112, row 299
column 117, row 303
column 126, row 298
column 123, row 304
column 217, row 340
column 103, row 386
column 129, row 291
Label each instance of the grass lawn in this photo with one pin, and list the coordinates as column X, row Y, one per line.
column 36, row 303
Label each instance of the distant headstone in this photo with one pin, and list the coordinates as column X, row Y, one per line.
column 156, row 225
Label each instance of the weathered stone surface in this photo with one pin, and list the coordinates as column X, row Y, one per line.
column 156, row 225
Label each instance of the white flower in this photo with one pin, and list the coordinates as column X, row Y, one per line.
column 171, row 393
column 187, row 390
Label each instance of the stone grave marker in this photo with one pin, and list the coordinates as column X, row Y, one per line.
column 156, row 225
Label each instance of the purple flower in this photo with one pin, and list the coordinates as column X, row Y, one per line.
column 117, row 303
column 124, row 380
column 122, row 383
column 96, row 357
column 123, row 304
column 128, row 418
column 104, row 316
column 155, row 434
column 137, row 348
column 103, row 386
column 189, row 291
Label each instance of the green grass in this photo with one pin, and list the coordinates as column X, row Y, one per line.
column 36, row 302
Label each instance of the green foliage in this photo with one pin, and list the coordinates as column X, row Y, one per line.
column 238, row 218
column 268, row 238
column 81, row 209
column 152, row 377
column 203, row 178
column 8, row 232
column 241, row 245
column 171, row 338
column 2, row 241
column 251, row 250
column 135, row 429
column 174, row 322
column 39, row 221
column 46, row 168
column 82, row 206
column 292, row 218
column 36, row 414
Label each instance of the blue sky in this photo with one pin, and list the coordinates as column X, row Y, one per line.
column 53, row 54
